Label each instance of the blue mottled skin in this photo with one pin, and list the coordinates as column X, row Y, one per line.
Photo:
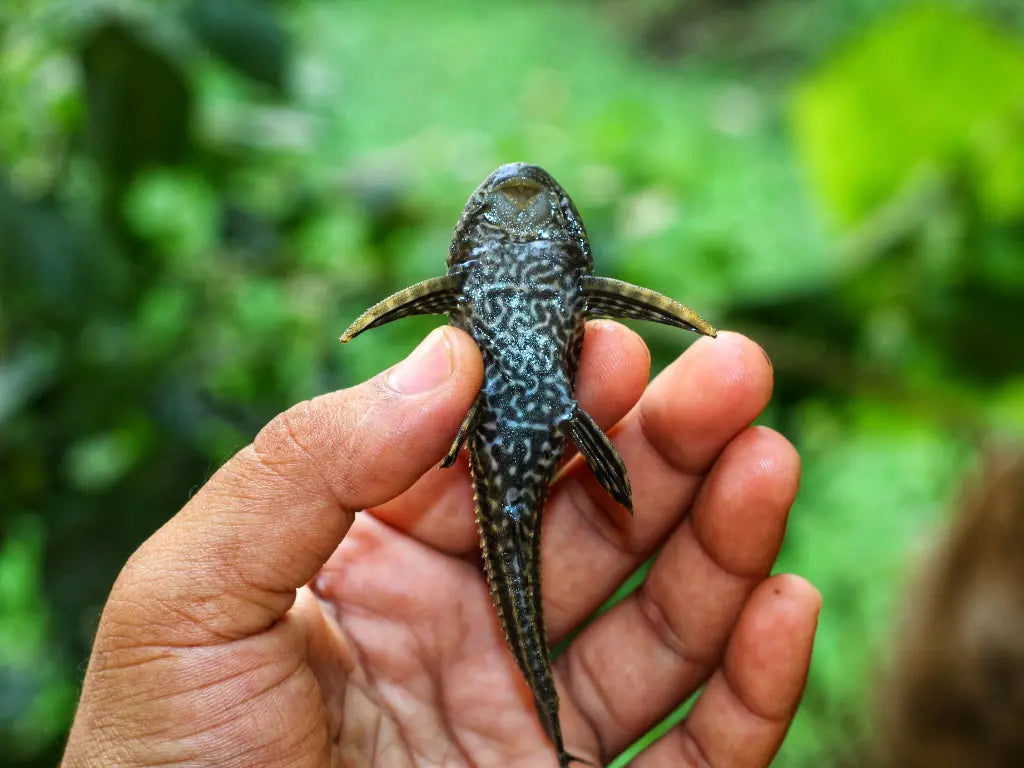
column 525, row 309
column 519, row 282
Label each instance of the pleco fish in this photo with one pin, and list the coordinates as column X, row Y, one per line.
column 519, row 282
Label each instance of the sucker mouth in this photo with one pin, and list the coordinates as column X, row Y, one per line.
column 520, row 192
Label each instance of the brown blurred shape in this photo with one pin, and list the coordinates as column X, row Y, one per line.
column 955, row 696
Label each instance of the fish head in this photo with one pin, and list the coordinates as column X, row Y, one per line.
column 521, row 203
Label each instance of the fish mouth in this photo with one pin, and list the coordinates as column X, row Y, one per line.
column 519, row 174
column 519, row 191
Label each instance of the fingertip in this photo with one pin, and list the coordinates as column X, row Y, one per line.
column 709, row 394
column 467, row 362
column 796, row 596
column 774, row 463
column 613, row 371
column 767, row 452
column 625, row 346
column 785, row 605
column 733, row 363
column 768, row 658
column 740, row 516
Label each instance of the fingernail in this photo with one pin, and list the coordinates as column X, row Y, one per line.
column 429, row 365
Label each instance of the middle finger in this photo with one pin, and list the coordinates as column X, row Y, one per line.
column 684, row 420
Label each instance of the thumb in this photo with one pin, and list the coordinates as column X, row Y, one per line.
column 228, row 564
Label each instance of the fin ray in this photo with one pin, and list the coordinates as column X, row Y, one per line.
column 607, row 297
column 468, row 425
column 430, row 297
column 602, row 458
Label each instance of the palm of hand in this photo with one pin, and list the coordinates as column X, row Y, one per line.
column 398, row 670
column 397, row 659
column 428, row 678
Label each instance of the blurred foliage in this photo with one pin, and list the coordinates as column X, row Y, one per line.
column 894, row 125
column 196, row 197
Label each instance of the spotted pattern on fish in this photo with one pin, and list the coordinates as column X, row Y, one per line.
column 519, row 282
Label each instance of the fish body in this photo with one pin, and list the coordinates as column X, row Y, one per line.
column 524, row 306
column 520, row 282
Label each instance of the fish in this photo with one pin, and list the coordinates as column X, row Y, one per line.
column 520, row 281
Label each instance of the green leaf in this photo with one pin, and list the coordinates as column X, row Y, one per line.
column 927, row 87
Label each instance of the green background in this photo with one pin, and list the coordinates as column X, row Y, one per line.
column 197, row 197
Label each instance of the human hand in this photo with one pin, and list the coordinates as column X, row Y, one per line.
column 267, row 624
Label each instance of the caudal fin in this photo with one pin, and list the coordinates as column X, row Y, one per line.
column 549, row 721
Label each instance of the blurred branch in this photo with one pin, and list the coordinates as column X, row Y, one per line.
column 797, row 356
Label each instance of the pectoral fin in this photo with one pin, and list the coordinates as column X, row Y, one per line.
column 431, row 297
column 602, row 458
column 614, row 298
column 468, row 425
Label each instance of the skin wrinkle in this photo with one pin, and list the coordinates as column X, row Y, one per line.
column 747, row 706
column 580, row 664
column 664, row 630
column 204, row 726
column 376, row 741
column 293, row 435
column 716, row 560
column 399, row 742
column 669, row 636
column 674, row 473
column 267, row 445
column 230, row 717
column 365, row 468
column 314, row 725
column 372, row 688
column 573, row 487
column 109, row 666
column 168, row 727
column 578, row 669
column 147, row 698
column 690, row 740
column 597, row 518
column 227, row 679
column 253, row 456
column 426, row 659
column 220, row 635
column 449, row 726
column 156, row 764
column 354, row 719
column 120, row 600
column 678, row 467
column 458, row 734
column 247, row 470
column 276, row 595
column 232, row 576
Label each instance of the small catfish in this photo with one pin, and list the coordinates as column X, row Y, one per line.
column 519, row 282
